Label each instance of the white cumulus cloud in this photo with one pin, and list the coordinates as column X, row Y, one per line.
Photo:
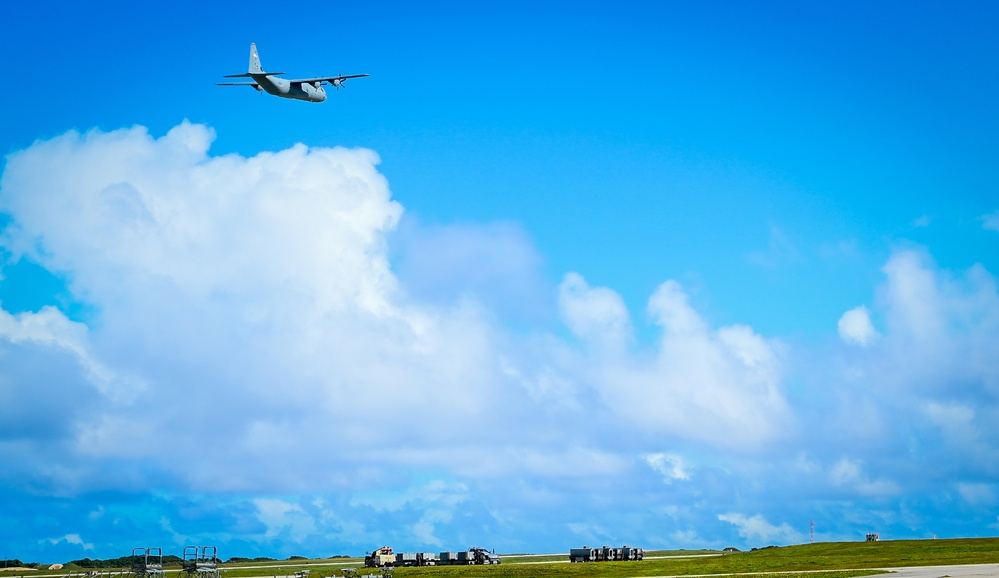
column 594, row 313
column 721, row 386
column 250, row 315
column 855, row 327
column 250, row 301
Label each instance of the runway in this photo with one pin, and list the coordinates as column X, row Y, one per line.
column 955, row 571
column 961, row 571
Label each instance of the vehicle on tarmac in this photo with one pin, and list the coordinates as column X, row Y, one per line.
column 380, row 558
column 473, row 555
column 385, row 557
column 604, row 554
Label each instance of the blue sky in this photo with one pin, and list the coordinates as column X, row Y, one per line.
column 678, row 275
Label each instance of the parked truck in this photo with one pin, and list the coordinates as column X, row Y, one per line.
column 610, row 554
column 380, row 558
column 476, row 555
column 604, row 554
column 473, row 555
column 584, row 554
column 629, row 553
column 384, row 557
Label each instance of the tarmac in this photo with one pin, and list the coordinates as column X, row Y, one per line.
column 955, row 571
column 962, row 571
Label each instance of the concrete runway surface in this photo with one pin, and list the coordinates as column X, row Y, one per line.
column 962, row 571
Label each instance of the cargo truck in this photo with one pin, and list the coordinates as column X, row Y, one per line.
column 380, row 558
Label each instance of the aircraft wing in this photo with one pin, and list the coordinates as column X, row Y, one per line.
column 330, row 79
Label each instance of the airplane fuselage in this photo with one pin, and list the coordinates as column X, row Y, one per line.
column 285, row 89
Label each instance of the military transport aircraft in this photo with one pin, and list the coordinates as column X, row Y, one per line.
column 310, row 89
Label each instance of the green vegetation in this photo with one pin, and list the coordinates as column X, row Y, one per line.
column 15, row 563
column 823, row 560
column 838, row 555
column 605, row 569
column 833, row 559
column 123, row 562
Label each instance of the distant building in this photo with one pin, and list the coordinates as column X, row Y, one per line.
column 873, row 537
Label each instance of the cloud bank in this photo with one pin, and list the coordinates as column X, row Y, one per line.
column 254, row 369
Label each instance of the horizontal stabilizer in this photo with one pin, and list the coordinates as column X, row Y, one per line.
column 252, row 74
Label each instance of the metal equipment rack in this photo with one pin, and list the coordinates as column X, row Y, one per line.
column 146, row 563
column 200, row 562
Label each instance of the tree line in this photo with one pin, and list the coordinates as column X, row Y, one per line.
column 15, row 563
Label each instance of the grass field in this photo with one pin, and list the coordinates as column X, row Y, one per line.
column 809, row 557
column 822, row 560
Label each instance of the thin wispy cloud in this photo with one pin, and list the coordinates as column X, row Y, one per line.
column 991, row 221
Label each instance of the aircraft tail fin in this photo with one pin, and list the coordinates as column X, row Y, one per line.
column 255, row 68
column 254, row 60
